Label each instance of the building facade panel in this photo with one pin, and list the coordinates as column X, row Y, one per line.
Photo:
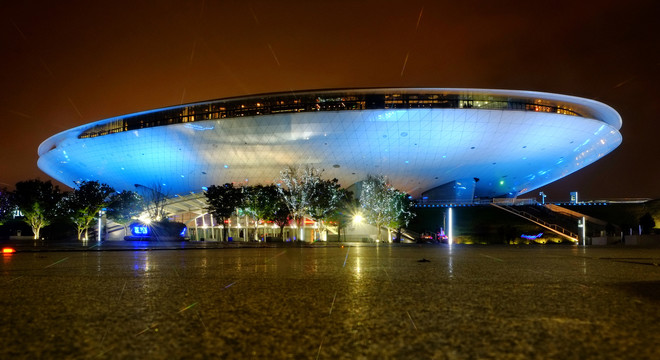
column 509, row 151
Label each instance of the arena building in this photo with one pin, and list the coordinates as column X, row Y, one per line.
column 436, row 144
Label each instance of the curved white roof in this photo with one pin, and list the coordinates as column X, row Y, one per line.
column 512, row 141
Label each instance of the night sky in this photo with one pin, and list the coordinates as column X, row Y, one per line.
column 68, row 63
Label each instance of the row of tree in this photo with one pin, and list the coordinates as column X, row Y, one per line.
column 301, row 193
column 41, row 203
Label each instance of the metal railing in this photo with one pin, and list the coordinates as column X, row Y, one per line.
column 553, row 227
column 451, row 203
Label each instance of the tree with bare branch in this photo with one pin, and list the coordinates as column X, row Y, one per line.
column 154, row 199
column 297, row 191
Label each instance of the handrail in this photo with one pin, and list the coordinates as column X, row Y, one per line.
column 449, row 203
column 552, row 227
column 539, row 220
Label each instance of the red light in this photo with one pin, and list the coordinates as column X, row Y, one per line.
column 8, row 250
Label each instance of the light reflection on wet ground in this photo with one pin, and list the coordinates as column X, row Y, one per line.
column 350, row 301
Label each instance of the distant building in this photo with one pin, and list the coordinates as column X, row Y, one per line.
column 442, row 144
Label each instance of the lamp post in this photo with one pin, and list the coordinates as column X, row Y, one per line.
column 582, row 223
column 101, row 213
column 542, row 197
column 450, row 228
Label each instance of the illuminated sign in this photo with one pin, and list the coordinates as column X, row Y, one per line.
column 140, row 230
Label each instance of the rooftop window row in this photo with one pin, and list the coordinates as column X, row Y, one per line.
column 278, row 104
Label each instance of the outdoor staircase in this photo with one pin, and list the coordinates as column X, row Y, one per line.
column 574, row 214
column 559, row 230
column 114, row 230
column 410, row 235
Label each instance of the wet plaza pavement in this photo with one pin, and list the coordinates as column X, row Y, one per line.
column 330, row 302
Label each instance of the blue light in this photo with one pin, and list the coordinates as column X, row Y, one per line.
column 531, row 237
column 183, row 232
column 139, row 230
column 226, row 166
column 204, row 188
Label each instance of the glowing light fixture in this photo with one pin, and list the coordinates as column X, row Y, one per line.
column 584, row 231
column 144, row 218
column 8, row 250
column 357, row 218
column 450, row 228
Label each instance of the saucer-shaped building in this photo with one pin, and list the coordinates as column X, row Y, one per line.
column 438, row 144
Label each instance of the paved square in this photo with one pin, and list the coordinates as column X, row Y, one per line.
column 329, row 302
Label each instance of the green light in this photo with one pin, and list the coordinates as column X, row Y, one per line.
column 501, row 182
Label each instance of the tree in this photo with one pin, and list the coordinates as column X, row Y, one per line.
column 38, row 201
column 401, row 208
column 6, row 206
column 375, row 200
column 123, row 207
column 154, row 200
column 299, row 183
column 647, row 223
column 223, row 201
column 259, row 202
column 344, row 215
column 324, row 201
column 84, row 203
column 281, row 215
column 383, row 205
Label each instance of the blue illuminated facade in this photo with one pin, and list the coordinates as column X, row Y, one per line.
column 447, row 144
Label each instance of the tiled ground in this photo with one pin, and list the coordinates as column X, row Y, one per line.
column 370, row 302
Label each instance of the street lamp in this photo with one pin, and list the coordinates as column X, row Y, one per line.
column 542, row 197
column 583, row 224
column 101, row 213
column 450, row 228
